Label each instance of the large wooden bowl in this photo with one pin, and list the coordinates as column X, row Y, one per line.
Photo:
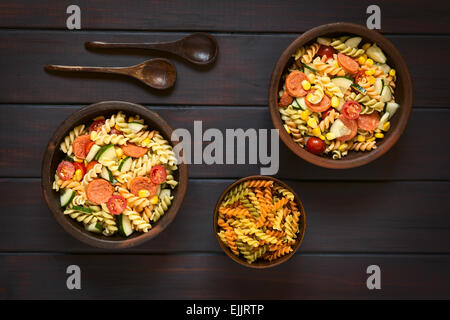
column 53, row 156
column 261, row 264
column 403, row 94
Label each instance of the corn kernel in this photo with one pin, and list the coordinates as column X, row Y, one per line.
column 386, row 126
column 306, row 85
column 85, row 163
column 287, row 129
column 361, row 138
column 117, row 127
column 370, row 72
column 335, row 102
column 154, row 200
column 312, row 123
column 119, row 152
column 99, row 118
column 304, row 115
column 361, row 60
column 143, row 193
column 336, row 64
column 365, row 47
column 392, row 72
column 369, row 62
column 379, row 135
column 371, row 79
column 322, row 137
column 93, row 135
column 311, row 77
column 130, row 119
column 78, row 175
column 343, row 147
column 316, row 131
column 146, row 141
column 371, row 139
column 330, row 136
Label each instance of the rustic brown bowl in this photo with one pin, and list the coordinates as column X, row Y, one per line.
column 403, row 94
column 260, row 264
column 53, row 156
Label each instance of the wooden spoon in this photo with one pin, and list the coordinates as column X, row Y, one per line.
column 198, row 48
column 157, row 73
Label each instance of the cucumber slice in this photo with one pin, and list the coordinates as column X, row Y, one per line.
column 125, row 164
column 339, row 129
column 301, row 102
column 343, row 83
column 383, row 66
column 82, row 209
column 353, row 42
column 378, row 86
column 308, row 67
column 386, row 94
column 358, row 88
column 94, row 149
column 106, row 153
column 324, row 41
column 295, row 104
column 125, row 228
column 391, row 108
column 383, row 120
column 94, row 227
column 376, row 54
column 343, row 38
column 107, row 174
column 135, row 126
column 66, row 197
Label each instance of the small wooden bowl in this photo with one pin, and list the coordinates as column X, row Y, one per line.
column 53, row 156
column 403, row 94
column 260, row 264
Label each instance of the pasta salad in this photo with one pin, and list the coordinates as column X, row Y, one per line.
column 117, row 175
column 338, row 96
column 259, row 220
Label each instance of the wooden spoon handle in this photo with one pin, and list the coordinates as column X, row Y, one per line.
column 118, row 70
column 163, row 46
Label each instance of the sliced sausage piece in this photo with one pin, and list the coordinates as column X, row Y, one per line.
column 347, row 63
column 322, row 106
column 294, row 84
column 369, row 121
column 132, row 150
column 99, row 191
column 143, row 183
column 285, row 100
column 352, row 125
column 79, row 146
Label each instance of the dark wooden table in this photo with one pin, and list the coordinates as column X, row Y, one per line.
column 394, row 213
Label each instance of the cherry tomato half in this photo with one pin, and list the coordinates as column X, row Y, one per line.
column 360, row 74
column 326, row 51
column 158, row 174
column 66, row 170
column 96, row 125
column 315, row 145
column 116, row 204
column 81, row 167
column 351, row 109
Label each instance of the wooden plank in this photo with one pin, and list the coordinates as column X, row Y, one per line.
column 417, row 156
column 235, row 15
column 239, row 77
column 217, row 277
column 367, row 217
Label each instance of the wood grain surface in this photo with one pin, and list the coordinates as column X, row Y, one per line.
column 393, row 212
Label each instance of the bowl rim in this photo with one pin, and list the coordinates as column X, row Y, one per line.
column 260, row 265
column 47, row 177
column 404, row 77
